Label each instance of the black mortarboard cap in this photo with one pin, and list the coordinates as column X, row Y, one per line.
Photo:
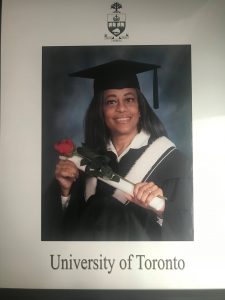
column 120, row 74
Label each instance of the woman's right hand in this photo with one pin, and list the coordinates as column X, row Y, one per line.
column 66, row 173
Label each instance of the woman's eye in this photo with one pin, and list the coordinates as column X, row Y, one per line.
column 130, row 99
column 110, row 102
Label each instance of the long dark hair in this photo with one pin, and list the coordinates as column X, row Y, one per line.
column 97, row 134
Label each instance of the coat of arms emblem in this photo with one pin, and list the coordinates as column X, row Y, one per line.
column 116, row 23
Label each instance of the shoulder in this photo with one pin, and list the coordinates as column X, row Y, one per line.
column 175, row 165
column 170, row 162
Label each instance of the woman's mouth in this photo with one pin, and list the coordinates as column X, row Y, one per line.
column 122, row 120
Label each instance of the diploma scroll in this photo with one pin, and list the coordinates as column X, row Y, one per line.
column 124, row 185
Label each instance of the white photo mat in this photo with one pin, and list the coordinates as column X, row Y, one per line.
column 27, row 25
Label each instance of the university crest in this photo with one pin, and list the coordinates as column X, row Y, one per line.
column 116, row 23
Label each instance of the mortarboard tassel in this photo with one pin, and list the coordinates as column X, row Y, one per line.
column 155, row 89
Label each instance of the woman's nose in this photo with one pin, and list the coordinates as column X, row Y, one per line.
column 121, row 106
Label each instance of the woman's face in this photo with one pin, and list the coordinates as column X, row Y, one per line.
column 121, row 111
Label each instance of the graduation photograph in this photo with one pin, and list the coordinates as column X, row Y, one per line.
column 117, row 143
column 112, row 149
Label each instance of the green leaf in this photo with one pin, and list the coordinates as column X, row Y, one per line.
column 96, row 165
column 84, row 161
column 116, row 178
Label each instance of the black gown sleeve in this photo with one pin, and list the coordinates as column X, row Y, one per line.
column 178, row 216
column 59, row 224
column 178, row 188
column 52, row 213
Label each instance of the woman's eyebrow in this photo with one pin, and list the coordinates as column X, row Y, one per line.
column 110, row 95
column 129, row 93
column 114, row 95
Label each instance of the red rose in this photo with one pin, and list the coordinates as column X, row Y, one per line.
column 65, row 147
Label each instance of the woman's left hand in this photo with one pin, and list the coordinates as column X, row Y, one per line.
column 144, row 192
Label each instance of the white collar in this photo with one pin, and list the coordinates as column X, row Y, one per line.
column 140, row 140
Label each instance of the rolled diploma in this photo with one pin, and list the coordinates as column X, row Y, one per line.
column 125, row 186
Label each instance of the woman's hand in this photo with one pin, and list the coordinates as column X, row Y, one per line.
column 144, row 192
column 66, row 173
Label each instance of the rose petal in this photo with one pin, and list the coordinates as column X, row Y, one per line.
column 65, row 147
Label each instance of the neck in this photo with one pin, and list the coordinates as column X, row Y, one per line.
column 121, row 142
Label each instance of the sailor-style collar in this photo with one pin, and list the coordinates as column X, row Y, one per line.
column 140, row 140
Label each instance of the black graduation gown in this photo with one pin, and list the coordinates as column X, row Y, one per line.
column 104, row 218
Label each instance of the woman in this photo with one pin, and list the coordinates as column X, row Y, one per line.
column 120, row 124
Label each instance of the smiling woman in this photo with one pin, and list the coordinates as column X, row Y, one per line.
column 120, row 124
column 121, row 115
